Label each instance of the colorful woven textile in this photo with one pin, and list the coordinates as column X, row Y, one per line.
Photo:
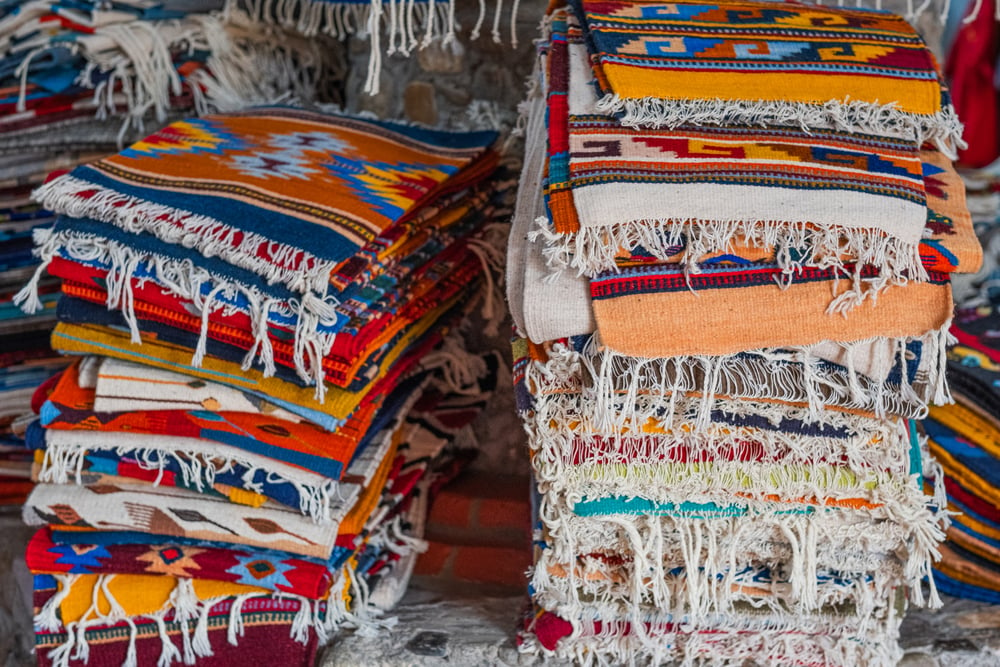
column 245, row 187
column 662, row 300
column 757, row 63
column 224, row 616
column 256, row 568
column 179, row 512
column 816, row 195
column 302, row 444
column 721, row 434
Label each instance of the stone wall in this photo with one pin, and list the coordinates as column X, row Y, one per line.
column 467, row 83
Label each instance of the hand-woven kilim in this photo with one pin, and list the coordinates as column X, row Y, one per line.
column 816, row 195
column 752, row 63
column 722, row 438
column 287, row 194
column 265, row 569
column 70, row 406
column 657, row 310
column 147, row 619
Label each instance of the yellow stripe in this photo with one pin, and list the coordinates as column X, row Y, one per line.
column 918, row 97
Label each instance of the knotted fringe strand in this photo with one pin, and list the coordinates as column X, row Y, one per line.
column 561, row 452
column 712, row 552
column 63, row 464
column 625, row 390
column 133, row 65
column 943, row 127
column 310, row 312
column 190, row 614
column 295, row 268
column 405, row 25
column 600, row 641
column 799, row 245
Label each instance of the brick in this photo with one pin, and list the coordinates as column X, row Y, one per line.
column 434, row 561
column 506, row 513
column 452, row 509
column 491, row 565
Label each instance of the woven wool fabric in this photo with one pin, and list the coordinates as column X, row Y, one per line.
column 860, row 444
column 708, row 539
column 337, row 403
column 816, row 195
column 245, row 186
column 622, row 392
column 135, row 508
column 202, row 619
column 353, row 350
column 240, row 566
column 192, row 463
column 123, row 385
column 951, row 245
column 266, row 638
column 758, row 63
column 544, row 305
column 966, row 461
column 948, row 243
column 650, row 310
column 70, row 406
column 179, row 512
column 848, row 601
column 362, row 282
column 126, row 387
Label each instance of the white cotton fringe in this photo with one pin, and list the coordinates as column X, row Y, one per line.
column 557, row 439
column 392, row 26
column 798, row 245
column 753, row 484
column 622, row 393
column 943, row 128
column 861, row 608
column 199, row 464
column 185, row 280
column 856, row 544
column 622, row 642
column 248, row 65
column 191, row 615
column 296, row 268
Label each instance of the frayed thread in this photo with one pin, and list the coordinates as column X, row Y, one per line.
column 186, row 281
column 943, row 127
column 798, row 245
column 295, row 268
column 66, row 452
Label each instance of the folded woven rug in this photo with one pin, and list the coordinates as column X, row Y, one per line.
column 271, row 570
column 652, row 310
column 304, row 445
column 231, row 187
column 818, row 196
column 758, row 63
column 164, row 619
column 245, row 187
column 122, row 386
column 623, row 392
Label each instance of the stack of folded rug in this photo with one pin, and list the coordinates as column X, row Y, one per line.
column 965, row 440
column 263, row 307
column 729, row 269
column 26, row 359
column 77, row 82
column 63, row 62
